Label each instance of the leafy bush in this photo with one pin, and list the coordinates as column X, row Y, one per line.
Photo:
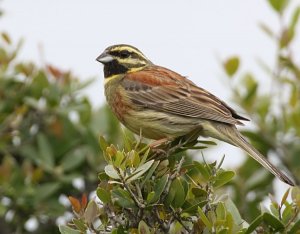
column 48, row 139
column 164, row 191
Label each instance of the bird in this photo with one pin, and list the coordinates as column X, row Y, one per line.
column 159, row 103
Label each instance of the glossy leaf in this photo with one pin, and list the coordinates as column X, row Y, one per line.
column 45, row 152
column 204, row 219
column 79, row 223
column 180, row 194
column 231, row 207
column 285, row 196
column 91, row 212
column 295, row 228
column 295, row 19
column 272, row 221
column 150, row 172
column 123, row 198
column 103, row 144
column 67, row 230
column 231, row 65
column 278, row 5
column 111, row 172
column 223, row 178
column 254, row 224
column 103, row 195
column 158, row 189
column 221, row 211
column 139, row 171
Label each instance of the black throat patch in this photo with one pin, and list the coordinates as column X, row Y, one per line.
column 114, row 68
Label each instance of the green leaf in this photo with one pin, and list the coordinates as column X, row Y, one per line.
column 198, row 192
column 150, row 196
column 295, row 19
column 180, row 194
column 207, row 142
column 287, row 213
column 45, row 152
column 72, row 160
column 139, row 171
column 103, row 195
column 230, row 222
column 119, row 159
column 221, row 211
column 79, row 223
column 158, row 189
column 150, row 173
column 102, row 176
column 143, row 228
column 6, row 37
column 223, row 231
column 145, row 156
column 231, row 65
column 267, row 30
column 191, row 206
column 223, row 178
column 203, row 170
column 254, row 224
column 119, row 230
column 170, row 197
column 231, row 208
column 272, row 221
column 128, row 140
column 295, row 194
column 91, row 212
column 278, row 5
column 286, row 37
column 122, row 197
column 46, row 190
column 204, row 219
column 251, row 85
column 286, row 194
column 67, row 230
column 111, row 172
column 294, row 96
column 295, row 228
column 103, row 144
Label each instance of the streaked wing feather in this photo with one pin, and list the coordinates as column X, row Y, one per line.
column 160, row 89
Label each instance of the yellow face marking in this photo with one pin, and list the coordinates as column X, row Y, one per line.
column 135, row 69
column 108, row 79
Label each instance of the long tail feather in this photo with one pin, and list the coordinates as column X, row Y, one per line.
column 231, row 135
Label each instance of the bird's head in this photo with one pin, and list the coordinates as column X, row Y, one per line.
column 120, row 59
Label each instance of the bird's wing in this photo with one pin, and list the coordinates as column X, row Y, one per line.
column 160, row 89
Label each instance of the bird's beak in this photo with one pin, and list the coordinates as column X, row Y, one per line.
column 104, row 58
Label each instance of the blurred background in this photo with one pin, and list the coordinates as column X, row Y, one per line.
column 60, row 42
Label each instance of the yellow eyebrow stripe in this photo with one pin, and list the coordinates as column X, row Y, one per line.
column 130, row 49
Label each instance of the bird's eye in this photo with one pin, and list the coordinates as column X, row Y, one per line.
column 124, row 54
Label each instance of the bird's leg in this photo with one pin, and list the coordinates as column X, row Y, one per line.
column 158, row 143
column 158, row 147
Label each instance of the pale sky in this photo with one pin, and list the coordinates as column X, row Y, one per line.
column 190, row 37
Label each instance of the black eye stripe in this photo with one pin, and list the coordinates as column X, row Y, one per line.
column 121, row 54
column 124, row 54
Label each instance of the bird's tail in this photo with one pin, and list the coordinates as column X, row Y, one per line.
column 230, row 134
